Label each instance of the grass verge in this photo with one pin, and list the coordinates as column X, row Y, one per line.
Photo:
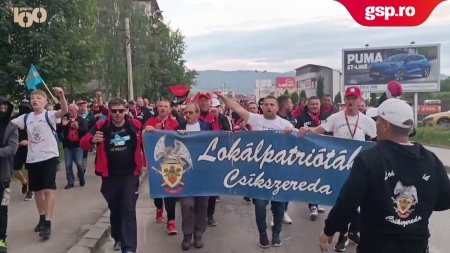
column 432, row 136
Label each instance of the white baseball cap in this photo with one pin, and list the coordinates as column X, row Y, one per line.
column 215, row 102
column 372, row 112
column 397, row 112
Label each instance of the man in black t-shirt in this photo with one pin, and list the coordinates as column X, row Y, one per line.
column 119, row 162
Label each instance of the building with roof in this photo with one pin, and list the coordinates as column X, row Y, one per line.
column 306, row 78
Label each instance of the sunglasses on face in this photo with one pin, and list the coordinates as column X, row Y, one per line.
column 117, row 110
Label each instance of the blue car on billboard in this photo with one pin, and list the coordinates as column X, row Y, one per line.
column 401, row 66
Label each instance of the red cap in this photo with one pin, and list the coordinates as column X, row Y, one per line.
column 353, row 91
column 80, row 102
column 202, row 94
column 394, row 89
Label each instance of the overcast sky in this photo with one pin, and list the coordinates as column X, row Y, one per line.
column 285, row 34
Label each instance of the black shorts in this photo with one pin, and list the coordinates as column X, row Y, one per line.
column 20, row 158
column 42, row 175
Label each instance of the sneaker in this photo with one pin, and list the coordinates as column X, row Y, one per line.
column 117, row 246
column 247, row 199
column 39, row 226
column 320, row 209
column 264, row 241
column 341, row 244
column 3, row 248
column 159, row 216
column 276, row 241
column 46, row 231
column 313, row 213
column 211, row 221
column 354, row 237
column 24, row 188
column 29, row 196
column 171, row 229
column 69, row 186
column 286, row 218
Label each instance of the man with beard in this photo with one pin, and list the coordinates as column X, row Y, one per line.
column 8, row 146
column 119, row 161
column 218, row 123
column 311, row 117
column 163, row 121
column 267, row 121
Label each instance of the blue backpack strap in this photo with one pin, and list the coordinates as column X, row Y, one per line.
column 25, row 121
column 51, row 126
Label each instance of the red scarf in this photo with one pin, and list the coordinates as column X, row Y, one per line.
column 315, row 119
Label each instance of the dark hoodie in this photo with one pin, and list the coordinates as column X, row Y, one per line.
column 8, row 141
column 397, row 187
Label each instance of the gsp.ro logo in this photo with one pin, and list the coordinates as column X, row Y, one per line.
column 27, row 16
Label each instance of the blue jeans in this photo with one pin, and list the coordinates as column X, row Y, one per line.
column 277, row 211
column 72, row 155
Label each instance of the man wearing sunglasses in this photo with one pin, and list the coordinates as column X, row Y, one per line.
column 119, row 161
column 218, row 122
column 163, row 121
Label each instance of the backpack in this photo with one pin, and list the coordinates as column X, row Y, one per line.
column 46, row 119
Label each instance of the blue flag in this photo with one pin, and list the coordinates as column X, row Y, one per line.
column 33, row 79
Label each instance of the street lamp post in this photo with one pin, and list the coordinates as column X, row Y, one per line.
column 129, row 67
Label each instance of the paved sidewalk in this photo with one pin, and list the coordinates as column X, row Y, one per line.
column 443, row 154
column 75, row 210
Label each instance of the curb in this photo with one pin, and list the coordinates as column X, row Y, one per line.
column 98, row 233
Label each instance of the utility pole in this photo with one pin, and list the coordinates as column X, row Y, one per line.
column 129, row 67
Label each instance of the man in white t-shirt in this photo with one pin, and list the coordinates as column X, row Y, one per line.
column 349, row 123
column 43, row 155
column 269, row 120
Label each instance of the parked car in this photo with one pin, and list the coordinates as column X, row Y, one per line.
column 441, row 119
column 401, row 66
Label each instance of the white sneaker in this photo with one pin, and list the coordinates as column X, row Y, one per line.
column 286, row 218
column 320, row 209
column 313, row 213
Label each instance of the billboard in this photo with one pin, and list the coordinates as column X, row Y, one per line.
column 416, row 67
column 285, row 82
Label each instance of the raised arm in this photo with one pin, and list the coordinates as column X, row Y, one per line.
column 233, row 105
column 59, row 92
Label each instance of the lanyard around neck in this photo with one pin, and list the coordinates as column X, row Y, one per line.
column 352, row 133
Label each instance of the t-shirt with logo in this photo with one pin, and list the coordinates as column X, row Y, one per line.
column 120, row 147
column 42, row 143
column 259, row 123
column 357, row 127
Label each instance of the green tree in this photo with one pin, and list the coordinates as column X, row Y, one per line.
column 373, row 100
column 157, row 51
column 61, row 48
column 295, row 97
column 338, row 98
column 303, row 94
column 320, row 87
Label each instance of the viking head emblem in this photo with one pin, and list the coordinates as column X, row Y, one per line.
column 405, row 199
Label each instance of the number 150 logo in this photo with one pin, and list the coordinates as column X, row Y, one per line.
column 26, row 16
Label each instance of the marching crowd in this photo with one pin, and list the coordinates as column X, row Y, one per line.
column 384, row 205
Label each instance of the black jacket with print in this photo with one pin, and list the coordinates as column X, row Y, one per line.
column 397, row 187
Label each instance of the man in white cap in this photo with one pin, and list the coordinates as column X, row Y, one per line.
column 397, row 184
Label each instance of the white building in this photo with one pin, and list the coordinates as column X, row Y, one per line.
column 306, row 78
column 264, row 88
